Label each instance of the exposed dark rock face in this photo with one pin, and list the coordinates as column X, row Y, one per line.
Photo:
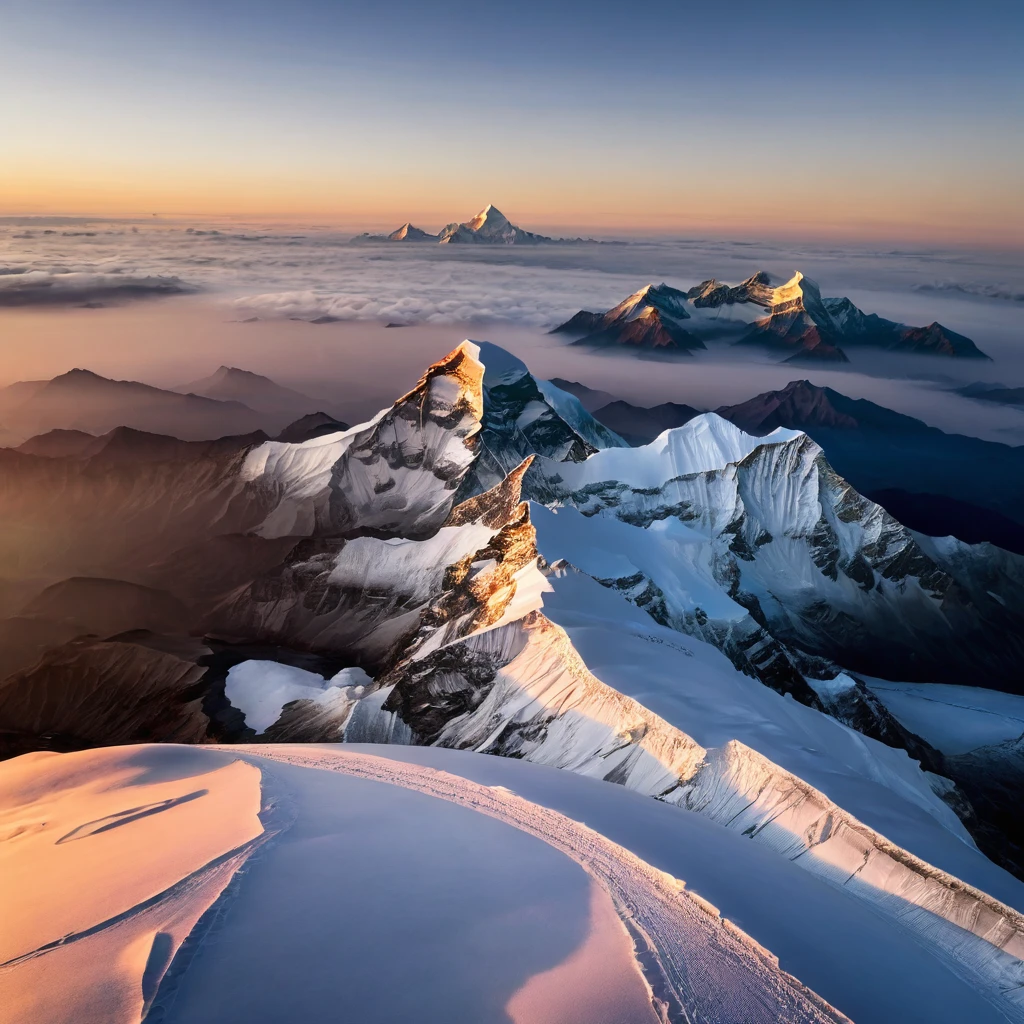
column 937, row 340
column 314, row 424
column 92, row 692
column 992, row 779
column 757, row 289
column 847, row 699
column 583, row 322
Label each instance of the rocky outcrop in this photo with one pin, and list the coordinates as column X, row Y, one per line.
column 652, row 318
column 91, row 692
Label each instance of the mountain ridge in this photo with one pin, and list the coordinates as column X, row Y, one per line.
column 488, row 227
column 788, row 316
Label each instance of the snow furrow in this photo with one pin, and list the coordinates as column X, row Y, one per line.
column 699, row 967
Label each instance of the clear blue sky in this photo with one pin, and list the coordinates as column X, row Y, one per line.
column 898, row 119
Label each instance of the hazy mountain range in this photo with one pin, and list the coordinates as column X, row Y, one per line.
column 489, row 227
column 229, row 402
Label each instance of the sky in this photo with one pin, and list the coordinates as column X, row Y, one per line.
column 898, row 120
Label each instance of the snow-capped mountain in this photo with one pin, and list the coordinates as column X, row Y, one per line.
column 410, row 233
column 654, row 317
column 789, row 315
column 799, row 321
column 524, row 416
column 915, row 471
column 736, row 509
column 489, row 227
column 757, row 290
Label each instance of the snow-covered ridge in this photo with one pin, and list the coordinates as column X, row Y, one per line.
column 523, row 691
column 652, row 297
column 695, row 962
column 704, row 444
column 823, row 568
column 478, row 408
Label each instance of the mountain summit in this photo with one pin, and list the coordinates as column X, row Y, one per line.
column 649, row 318
column 410, row 233
column 489, row 227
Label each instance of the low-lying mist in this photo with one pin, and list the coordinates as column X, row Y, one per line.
column 441, row 294
column 361, row 366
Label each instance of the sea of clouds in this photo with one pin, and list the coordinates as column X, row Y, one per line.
column 320, row 273
column 511, row 295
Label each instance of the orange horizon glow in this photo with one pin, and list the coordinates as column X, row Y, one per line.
column 802, row 210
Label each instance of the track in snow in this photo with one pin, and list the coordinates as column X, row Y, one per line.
column 701, row 968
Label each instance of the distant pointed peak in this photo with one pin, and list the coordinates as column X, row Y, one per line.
column 79, row 375
column 488, row 215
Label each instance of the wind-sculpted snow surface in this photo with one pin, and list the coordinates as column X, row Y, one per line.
column 521, row 690
column 699, row 967
column 99, row 892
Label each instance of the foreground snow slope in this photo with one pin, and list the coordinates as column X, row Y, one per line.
column 108, row 859
column 694, row 687
column 421, row 882
column 376, row 870
column 842, row 948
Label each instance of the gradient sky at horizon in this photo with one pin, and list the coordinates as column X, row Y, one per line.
column 899, row 120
